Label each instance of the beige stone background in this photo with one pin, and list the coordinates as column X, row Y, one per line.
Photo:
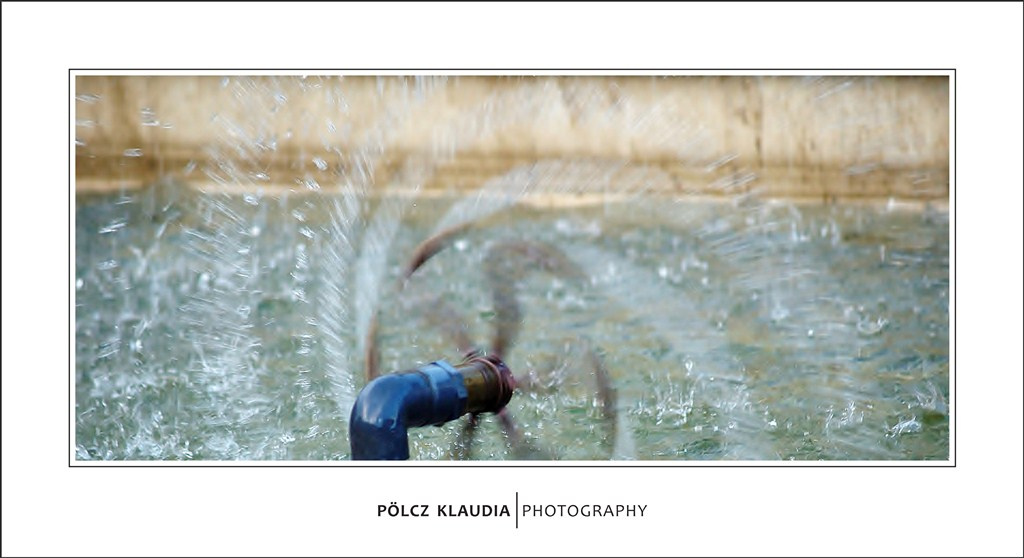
column 827, row 138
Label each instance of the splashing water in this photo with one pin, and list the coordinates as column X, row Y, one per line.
column 227, row 320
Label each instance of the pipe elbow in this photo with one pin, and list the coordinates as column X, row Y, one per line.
column 391, row 404
column 432, row 394
column 378, row 428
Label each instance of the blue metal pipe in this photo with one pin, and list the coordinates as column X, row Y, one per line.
column 433, row 394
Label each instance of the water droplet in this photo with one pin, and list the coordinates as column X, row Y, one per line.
column 320, row 163
column 461, row 244
column 867, row 327
column 149, row 117
column 113, row 227
column 689, row 365
column 663, row 272
column 204, row 281
column 908, row 426
column 79, row 283
column 134, row 152
column 810, row 333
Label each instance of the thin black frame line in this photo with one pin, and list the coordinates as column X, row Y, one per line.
column 518, row 70
column 953, row 268
column 597, row 464
column 438, row 465
column 71, row 299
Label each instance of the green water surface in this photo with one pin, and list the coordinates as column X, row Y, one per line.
column 224, row 327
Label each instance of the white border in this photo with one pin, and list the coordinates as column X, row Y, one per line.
column 975, row 508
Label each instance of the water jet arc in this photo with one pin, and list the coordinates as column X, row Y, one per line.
column 432, row 394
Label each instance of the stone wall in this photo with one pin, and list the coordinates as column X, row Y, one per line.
column 809, row 137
